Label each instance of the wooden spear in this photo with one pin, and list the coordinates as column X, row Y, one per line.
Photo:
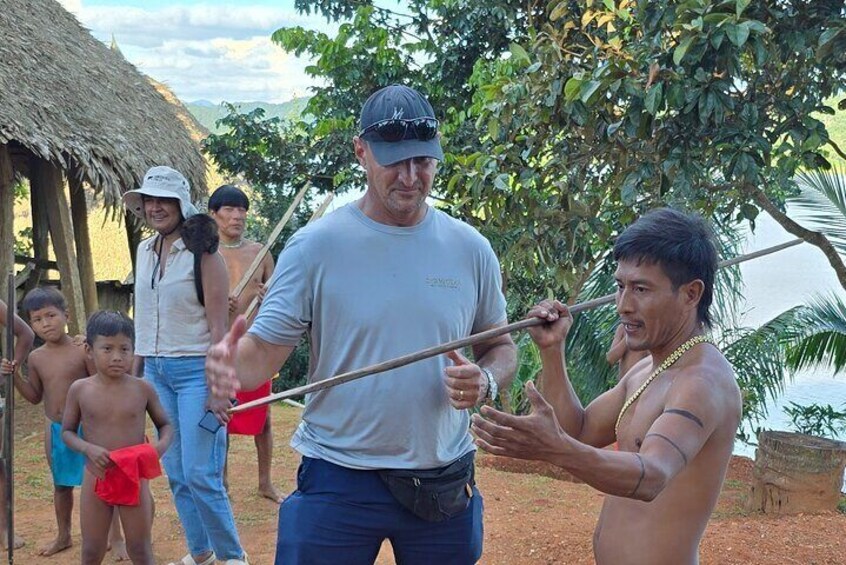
column 463, row 342
column 251, row 309
column 277, row 231
column 9, row 423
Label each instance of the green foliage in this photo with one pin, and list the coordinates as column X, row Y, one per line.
column 822, row 203
column 528, row 368
column 757, row 357
column 817, row 420
column 563, row 121
column 821, row 336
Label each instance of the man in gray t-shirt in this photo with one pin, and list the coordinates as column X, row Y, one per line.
column 388, row 456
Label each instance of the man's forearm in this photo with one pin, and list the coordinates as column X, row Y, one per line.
column 554, row 384
column 618, row 473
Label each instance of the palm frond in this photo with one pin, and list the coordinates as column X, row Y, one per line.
column 822, row 335
column 822, row 204
column 757, row 356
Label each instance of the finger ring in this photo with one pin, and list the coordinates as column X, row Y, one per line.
column 460, row 395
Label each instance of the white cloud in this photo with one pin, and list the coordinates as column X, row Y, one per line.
column 206, row 51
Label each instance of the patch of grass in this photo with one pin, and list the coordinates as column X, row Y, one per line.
column 841, row 506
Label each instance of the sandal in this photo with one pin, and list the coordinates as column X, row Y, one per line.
column 189, row 560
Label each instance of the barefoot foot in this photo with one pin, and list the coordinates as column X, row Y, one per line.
column 60, row 544
column 19, row 542
column 269, row 491
column 118, row 549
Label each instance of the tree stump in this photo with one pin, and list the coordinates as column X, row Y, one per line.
column 796, row 473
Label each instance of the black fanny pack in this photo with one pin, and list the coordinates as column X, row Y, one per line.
column 433, row 495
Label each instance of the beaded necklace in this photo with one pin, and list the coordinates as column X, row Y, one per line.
column 674, row 356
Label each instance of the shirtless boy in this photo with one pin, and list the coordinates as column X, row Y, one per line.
column 228, row 206
column 23, row 343
column 112, row 408
column 674, row 422
column 51, row 370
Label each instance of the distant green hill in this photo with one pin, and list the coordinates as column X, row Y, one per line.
column 207, row 113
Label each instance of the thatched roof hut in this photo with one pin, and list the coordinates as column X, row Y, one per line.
column 71, row 107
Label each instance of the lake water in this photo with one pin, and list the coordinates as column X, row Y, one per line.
column 774, row 284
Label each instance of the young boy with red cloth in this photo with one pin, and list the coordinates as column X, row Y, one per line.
column 112, row 407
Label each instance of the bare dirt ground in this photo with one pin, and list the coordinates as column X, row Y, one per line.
column 530, row 518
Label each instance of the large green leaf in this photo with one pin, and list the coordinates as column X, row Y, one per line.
column 822, row 204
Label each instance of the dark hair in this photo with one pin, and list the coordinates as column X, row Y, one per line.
column 228, row 195
column 108, row 323
column 42, row 297
column 682, row 244
column 200, row 235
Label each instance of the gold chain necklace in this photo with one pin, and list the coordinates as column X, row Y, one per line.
column 674, row 356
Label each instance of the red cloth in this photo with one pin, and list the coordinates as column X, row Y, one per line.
column 121, row 485
column 250, row 422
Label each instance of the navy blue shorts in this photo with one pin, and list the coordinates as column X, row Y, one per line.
column 341, row 516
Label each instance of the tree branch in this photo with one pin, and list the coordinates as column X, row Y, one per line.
column 837, row 149
column 814, row 238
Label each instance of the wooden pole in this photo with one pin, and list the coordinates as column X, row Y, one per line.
column 84, row 256
column 7, row 216
column 9, row 421
column 251, row 309
column 48, row 178
column 277, row 231
column 40, row 236
column 459, row 343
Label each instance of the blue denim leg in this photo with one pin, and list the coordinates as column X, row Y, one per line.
column 194, row 461
column 340, row 515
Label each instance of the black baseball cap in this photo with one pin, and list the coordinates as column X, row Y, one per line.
column 405, row 105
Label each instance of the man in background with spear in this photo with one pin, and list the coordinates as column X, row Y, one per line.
column 388, row 457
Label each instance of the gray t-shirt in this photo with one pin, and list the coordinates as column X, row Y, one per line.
column 366, row 293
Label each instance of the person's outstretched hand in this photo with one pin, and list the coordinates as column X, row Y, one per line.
column 536, row 436
column 221, row 363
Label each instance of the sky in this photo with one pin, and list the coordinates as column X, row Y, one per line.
column 206, row 49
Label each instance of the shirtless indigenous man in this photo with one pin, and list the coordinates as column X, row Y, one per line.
column 674, row 415
column 228, row 205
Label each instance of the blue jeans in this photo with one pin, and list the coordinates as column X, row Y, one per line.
column 339, row 515
column 194, row 461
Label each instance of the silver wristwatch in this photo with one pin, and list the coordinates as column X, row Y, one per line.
column 493, row 389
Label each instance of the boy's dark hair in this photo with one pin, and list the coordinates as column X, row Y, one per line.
column 228, row 195
column 682, row 244
column 108, row 323
column 42, row 297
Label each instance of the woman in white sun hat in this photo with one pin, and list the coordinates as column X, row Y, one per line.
column 181, row 307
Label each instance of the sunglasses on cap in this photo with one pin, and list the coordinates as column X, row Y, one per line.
column 395, row 129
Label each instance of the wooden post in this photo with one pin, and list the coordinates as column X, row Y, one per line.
column 7, row 217
column 85, row 260
column 133, row 236
column 48, row 178
column 40, row 235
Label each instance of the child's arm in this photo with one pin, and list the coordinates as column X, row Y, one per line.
column 30, row 388
column 98, row 457
column 160, row 420
column 23, row 333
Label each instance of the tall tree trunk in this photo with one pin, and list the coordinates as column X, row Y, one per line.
column 814, row 238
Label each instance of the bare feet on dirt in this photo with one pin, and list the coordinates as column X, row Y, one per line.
column 118, row 549
column 19, row 542
column 59, row 544
column 269, row 491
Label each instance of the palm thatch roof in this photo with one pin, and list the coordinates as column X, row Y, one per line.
column 68, row 98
